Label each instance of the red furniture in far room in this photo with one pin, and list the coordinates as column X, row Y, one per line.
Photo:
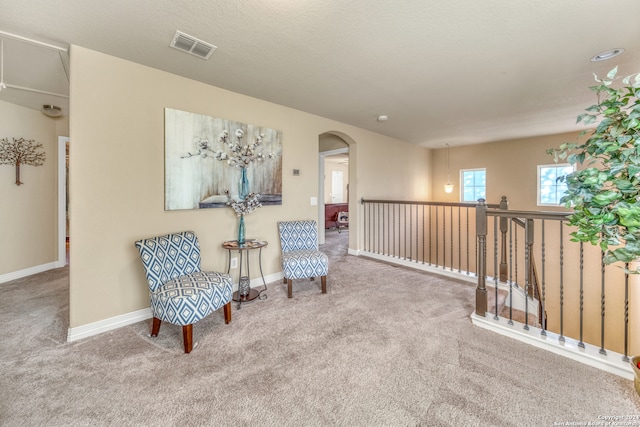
column 331, row 213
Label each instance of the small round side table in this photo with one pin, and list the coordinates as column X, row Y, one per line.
column 245, row 280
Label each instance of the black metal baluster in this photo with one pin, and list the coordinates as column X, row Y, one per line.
column 419, row 224
column 495, row 251
column 528, row 248
column 495, row 266
column 423, row 236
column 510, row 272
column 515, row 235
column 437, row 232
column 393, row 223
column 430, row 233
column 459, row 240
column 444, row 238
column 380, row 223
column 581, row 343
column 402, row 245
column 542, row 312
column 404, row 240
column 476, row 254
column 511, row 250
column 388, row 226
column 410, row 234
column 561, row 338
column 451, row 237
column 625, row 357
column 602, row 307
column 377, row 228
column 468, row 265
column 367, row 223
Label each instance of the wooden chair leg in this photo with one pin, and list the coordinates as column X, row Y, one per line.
column 284, row 280
column 323, row 280
column 227, row 312
column 289, row 288
column 155, row 327
column 187, row 335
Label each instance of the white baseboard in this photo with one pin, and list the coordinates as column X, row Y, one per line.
column 29, row 271
column 590, row 355
column 126, row 319
column 257, row 281
column 471, row 278
column 109, row 324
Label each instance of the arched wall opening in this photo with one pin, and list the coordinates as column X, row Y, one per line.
column 343, row 149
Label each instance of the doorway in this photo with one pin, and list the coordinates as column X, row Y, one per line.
column 334, row 189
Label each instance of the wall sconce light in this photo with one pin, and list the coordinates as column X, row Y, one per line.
column 448, row 187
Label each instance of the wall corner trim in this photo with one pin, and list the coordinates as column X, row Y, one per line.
column 95, row 328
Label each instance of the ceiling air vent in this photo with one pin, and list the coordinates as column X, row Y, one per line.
column 192, row 45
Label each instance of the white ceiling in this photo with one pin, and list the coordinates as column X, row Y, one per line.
column 457, row 72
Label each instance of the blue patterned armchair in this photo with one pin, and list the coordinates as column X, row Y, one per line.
column 181, row 293
column 301, row 258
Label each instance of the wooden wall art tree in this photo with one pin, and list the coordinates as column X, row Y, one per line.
column 21, row 152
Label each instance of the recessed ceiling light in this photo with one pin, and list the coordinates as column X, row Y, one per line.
column 382, row 118
column 607, row 54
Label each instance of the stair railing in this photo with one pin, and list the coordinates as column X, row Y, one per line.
column 514, row 249
column 575, row 287
column 434, row 234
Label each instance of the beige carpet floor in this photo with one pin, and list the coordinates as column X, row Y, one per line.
column 387, row 346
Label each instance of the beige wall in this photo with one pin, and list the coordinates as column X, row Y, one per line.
column 28, row 212
column 512, row 171
column 511, row 168
column 117, row 176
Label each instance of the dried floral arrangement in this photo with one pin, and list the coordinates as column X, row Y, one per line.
column 19, row 152
column 246, row 206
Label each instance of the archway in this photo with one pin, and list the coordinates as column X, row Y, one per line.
column 339, row 150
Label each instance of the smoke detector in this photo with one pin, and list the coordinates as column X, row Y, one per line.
column 192, row 45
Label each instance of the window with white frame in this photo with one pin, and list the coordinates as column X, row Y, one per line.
column 474, row 184
column 550, row 187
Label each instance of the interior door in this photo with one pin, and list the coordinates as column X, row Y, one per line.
column 337, row 187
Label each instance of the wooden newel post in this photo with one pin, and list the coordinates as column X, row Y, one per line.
column 504, row 227
column 481, row 232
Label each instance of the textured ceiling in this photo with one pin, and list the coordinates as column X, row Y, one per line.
column 457, row 72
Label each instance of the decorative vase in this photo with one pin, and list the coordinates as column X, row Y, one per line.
column 244, row 184
column 244, row 286
column 241, row 231
column 636, row 371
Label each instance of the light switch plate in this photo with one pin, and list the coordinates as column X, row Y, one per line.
column 314, row 201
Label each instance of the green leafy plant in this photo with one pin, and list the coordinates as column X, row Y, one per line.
column 605, row 194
